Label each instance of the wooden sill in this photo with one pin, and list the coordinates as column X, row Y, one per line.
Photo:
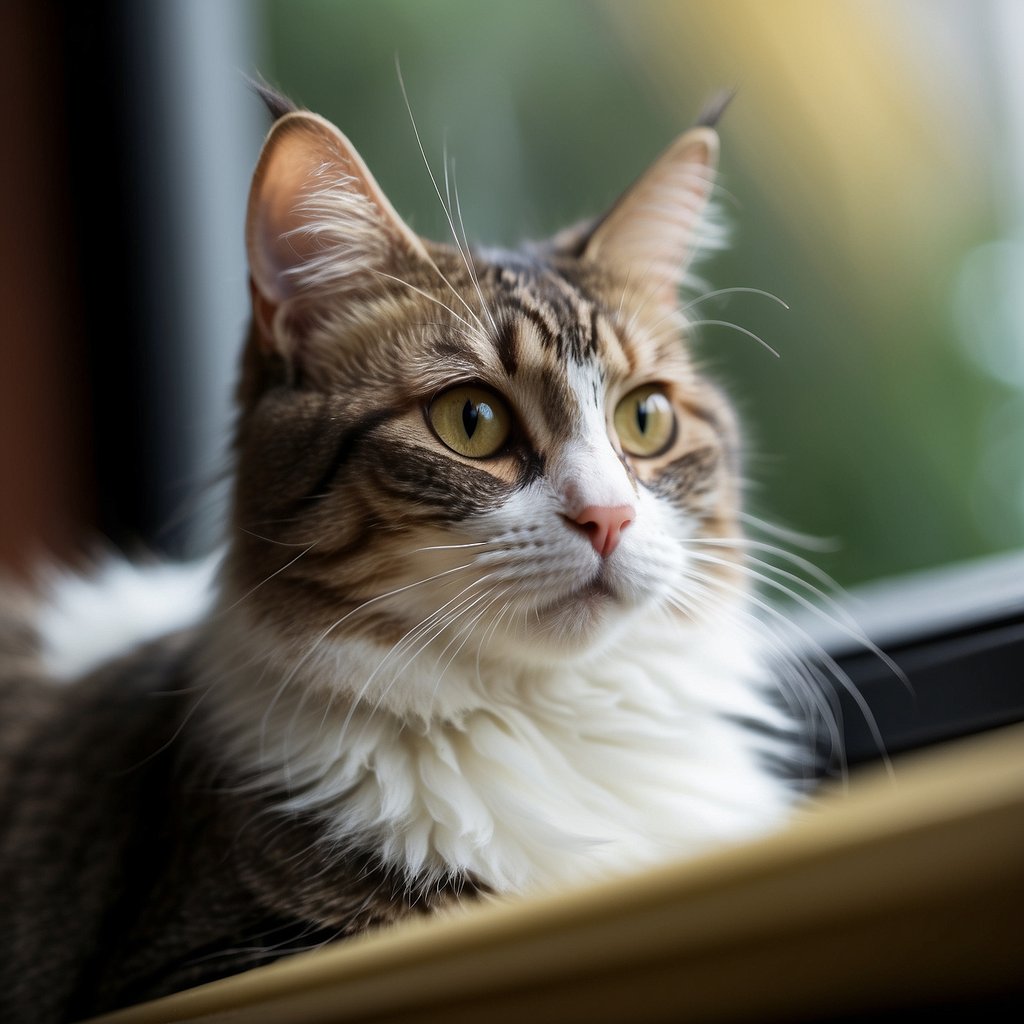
column 902, row 892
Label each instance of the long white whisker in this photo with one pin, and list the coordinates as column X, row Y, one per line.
column 800, row 562
column 314, row 646
column 466, row 631
column 431, row 298
column 735, row 327
column 830, row 598
column 467, row 253
column 278, row 572
column 453, row 616
column 451, row 547
column 409, row 639
column 815, row 694
column 802, row 540
column 492, row 629
column 270, row 540
column 439, row 616
column 433, row 181
column 729, row 291
column 837, row 672
column 841, row 618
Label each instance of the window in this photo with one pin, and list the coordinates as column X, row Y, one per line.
column 872, row 173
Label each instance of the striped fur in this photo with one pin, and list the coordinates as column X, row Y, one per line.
column 347, row 465
column 390, row 588
column 419, row 677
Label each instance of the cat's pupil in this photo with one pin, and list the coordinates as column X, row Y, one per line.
column 470, row 415
column 641, row 416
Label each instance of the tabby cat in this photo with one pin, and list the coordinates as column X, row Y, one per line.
column 480, row 627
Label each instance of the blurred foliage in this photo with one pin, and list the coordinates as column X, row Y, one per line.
column 849, row 192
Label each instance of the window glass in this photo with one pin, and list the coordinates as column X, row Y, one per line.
column 872, row 176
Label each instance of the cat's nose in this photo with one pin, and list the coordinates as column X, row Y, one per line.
column 603, row 525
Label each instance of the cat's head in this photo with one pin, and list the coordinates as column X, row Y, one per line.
column 453, row 453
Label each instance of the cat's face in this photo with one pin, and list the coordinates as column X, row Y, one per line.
column 470, row 455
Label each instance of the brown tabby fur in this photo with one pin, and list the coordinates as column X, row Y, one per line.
column 132, row 860
column 337, row 460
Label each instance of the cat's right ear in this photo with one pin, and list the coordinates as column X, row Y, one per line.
column 318, row 224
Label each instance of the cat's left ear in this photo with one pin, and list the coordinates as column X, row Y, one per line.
column 654, row 229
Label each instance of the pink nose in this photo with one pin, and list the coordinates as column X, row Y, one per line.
column 603, row 526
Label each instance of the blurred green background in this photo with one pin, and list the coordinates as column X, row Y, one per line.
column 872, row 177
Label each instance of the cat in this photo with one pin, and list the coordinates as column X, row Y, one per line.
column 481, row 627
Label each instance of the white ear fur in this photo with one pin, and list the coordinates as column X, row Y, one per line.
column 316, row 216
column 653, row 230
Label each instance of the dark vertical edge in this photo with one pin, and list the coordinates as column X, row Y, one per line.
column 108, row 196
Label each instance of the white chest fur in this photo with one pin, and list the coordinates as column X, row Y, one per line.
column 542, row 776
column 553, row 775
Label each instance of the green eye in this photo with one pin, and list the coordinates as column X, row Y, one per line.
column 645, row 422
column 471, row 421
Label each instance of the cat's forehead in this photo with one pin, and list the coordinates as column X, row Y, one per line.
column 538, row 318
column 556, row 340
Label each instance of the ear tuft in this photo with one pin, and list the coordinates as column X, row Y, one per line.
column 712, row 111
column 277, row 104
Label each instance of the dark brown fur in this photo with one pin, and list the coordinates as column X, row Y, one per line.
column 134, row 868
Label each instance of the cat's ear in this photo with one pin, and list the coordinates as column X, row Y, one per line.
column 317, row 220
column 654, row 229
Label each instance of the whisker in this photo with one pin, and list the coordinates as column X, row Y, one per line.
column 466, row 631
column 334, row 625
column 278, row 572
column 453, row 616
column 270, row 540
column 808, row 684
column 450, row 619
column 787, row 536
column 804, row 564
column 729, row 291
column 452, row 547
column 433, row 181
column 843, row 621
column 820, row 653
column 427, row 295
column 411, row 637
column 471, row 266
column 491, row 630
column 439, row 615
column 735, row 327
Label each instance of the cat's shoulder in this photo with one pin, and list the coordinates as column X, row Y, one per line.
column 85, row 618
column 83, row 653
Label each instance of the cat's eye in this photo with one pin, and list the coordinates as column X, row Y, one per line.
column 471, row 420
column 645, row 422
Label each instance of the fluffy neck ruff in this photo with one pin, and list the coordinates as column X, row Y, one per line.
column 549, row 775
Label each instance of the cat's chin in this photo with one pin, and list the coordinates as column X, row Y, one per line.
column 580, row 624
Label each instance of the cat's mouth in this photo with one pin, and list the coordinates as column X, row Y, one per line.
column 596, row 590
column 578, row 621
column 593, row 595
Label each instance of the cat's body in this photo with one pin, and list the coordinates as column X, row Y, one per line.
column 130, row 865
column 480, row 625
